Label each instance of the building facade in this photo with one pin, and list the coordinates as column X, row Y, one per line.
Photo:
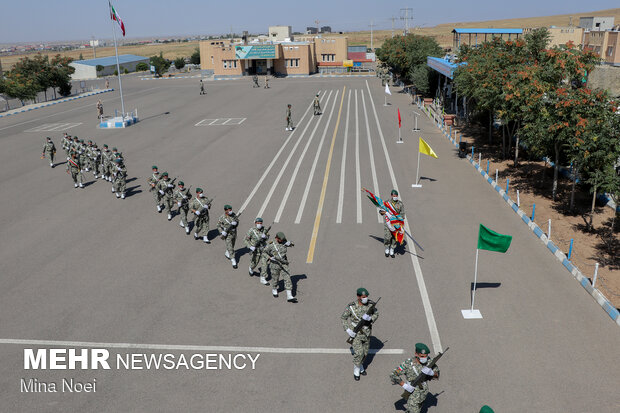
column 306, row 55
column 605, row 44
column 559, row 36
column 87, row 69
column 596, row 23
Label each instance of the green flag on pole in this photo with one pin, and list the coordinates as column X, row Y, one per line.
column 492, row 241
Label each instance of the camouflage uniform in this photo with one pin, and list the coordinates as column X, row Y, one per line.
column 317, row 105
column 120, row 178
column 66, row 142
column 106, row 163
column 83, row 156
column 256, row 238
column 229, row 232
column 96, row 160
column 183, row 196
column 49, row 150
column 201, row 205
column 278, row 265
column 410, row 369
column 289, row 118
column 152, row 181
column 75, row 169
column 388, row 239
column 351, row 316
column 165, row 189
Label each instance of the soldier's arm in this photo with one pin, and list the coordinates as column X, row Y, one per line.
column 346, row 315
column 375, row 315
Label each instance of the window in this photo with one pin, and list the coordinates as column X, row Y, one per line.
column 292, row 62
column 610, row 50
column 211, row 59
column 229, row 64
column 328, row 57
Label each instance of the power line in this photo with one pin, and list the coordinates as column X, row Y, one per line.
column 406, row 18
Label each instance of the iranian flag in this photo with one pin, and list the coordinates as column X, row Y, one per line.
column 114, row 16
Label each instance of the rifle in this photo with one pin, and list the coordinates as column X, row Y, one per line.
column 235, row 219
column 185, row 199
column 362, row 323
column 422, row 376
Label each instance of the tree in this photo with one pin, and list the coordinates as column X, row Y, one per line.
column 17, row 86
column 61, row 75
column 161, row 65
column 141, row 67
column 195, row 57
column 37, row 69
column 407, row 57
column 99, row 68
column 81, row 57
column 179, row 63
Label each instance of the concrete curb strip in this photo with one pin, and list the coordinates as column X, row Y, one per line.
column 561, row 257
column 43, row 105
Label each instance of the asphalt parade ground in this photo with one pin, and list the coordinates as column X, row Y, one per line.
column 82, row 269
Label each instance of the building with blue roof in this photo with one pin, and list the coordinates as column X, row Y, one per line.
column 474, row 37
column 87, row 69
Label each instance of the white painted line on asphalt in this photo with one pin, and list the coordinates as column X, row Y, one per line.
column 301, row 158
column 74, row 109
column 65, row 126
column 342, row 163
column 358, row 179
column 428, row 309
column 273, row 161
column 50, row 127
column 373, row 169
column 176, row 347
column 304, row 197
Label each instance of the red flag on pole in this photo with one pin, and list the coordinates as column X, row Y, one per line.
column 399, row 118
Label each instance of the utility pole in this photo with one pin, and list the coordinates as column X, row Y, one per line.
column 317, row 26
column 93, row 43
column 392, row 18
column 371, row 26
column 407, row 18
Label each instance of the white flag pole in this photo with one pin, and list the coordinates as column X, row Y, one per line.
column 417, row 174
column 470, row 312
column 118, row 70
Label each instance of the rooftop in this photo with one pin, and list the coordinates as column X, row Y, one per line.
column 111, row 60
column 488, row 31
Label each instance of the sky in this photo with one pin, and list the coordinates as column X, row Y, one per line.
column 49, row 21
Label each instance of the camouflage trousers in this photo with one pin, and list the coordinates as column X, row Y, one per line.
column 104, row 168
column 277, row 270
column 96, row 166
column 256, row 257
column 183, row 210
column 156, row 196
column 119, row 184
column 230, row 239
column 317, row 109
column 361, row 344
column 388, row 239
column 78, row 177
column 201, row 225
column 289, row 123
column 414, row 403
column 167, row 201
column 50, row 156
column 84, row 161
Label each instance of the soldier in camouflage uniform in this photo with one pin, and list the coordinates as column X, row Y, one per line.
column 88, row 151
column 355, row 313
column 255, row 240
column 96, row 160
column 411, row 368
column 74, row 145
column 199, row 206
column 106, row 163
column 317, row 105
column 82, row 155
column 165, row 188
column 49, row 150
column 120, row 178
column 227, row 226
column 152, row 181
column 66, row 142
column 289, row 118
column 74, row 168
column 183, row 196
column 389, row 242
column 275, row 255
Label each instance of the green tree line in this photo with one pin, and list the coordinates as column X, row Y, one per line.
column 33, row 75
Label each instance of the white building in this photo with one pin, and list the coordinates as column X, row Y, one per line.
column 87, row 69
column 281, row 33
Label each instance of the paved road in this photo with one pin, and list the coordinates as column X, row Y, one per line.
column 82, row 266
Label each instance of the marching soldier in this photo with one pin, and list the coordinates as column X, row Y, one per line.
column 82, row 155
column 200, row 208
column 412, row 368
column 355, row 313
column 49, row 150
column 100, row 109
column 152, row 181
column 317, row 105
column 275, row 254
column 75, row 170
column 106, row 163
column 255, row 240
column 88, row 151
column 227, row 225
column 120, row 178
column 389, row 242
column 289, row 118
column 267, row 82
column 66, row 141
column 74, row 145
column 96, row 160
column 182, row 195
column 255, row 80
column 165, row 188
column 202, row 88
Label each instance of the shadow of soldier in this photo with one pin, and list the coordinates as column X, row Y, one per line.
column 375, row 344
column 430, row 401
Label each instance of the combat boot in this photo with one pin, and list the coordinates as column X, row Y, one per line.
column 234, row 263
column 263, row 281
column 274, row 291
column 289, row 297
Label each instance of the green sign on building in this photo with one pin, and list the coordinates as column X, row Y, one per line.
column 263, row 51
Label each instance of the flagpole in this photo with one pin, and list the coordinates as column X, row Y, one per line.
column 118, row 70
column 417, row 174
column 473, row 294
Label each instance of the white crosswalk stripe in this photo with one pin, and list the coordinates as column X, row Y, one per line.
column 53, row 127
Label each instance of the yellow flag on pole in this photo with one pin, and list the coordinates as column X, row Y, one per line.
column 426, row 149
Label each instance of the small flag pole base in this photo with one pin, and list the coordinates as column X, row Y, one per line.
column 416, row 186
column 400, row 141
column 471, row 314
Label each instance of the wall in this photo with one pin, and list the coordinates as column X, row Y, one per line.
column 606, row 77
column 331, row 45
column 295, row 51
